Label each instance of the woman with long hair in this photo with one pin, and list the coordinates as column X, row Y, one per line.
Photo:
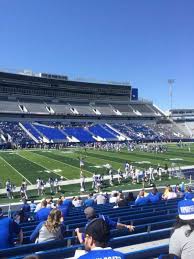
column 51, row 229
column 182, row 239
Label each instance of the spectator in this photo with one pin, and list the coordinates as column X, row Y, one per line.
column 170, row 194
column 189, row 195
column 90, row 214
column 100, row 199
column 43, row 213
column 154, row 196
column 179, row 193
column 19, row 217
column 77, row 202
column 97, row 236
column 122, row 202
column 66, row 202
column 141, row 198
column 64, row 209
column 25, row 207
column 8, row 229
column 114, row 197
column 130, row 198
column 89, row 202
column 39, row 206
column 182, row 239
column 32, row 206
column 52, row 229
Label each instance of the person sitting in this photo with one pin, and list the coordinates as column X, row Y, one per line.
column 8, row 229
column 170, row 194
column 179, row 193
column 64, row 209
column 26, row 209
column 66, row 202
column 43, row 213
column 154, row 196
column 182, row 238
column 122, row 201
column 141, row 199
column 89, row 202
column 114, row 197
column 97, row 235
column 189, row 195
column 32, row 206
column 51, row 229
column 130, row 198
column 90, row 214
column 100, row 199
column 77, row 202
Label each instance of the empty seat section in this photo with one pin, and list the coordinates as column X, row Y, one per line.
column 51, row 133
column 6, row 106
column 142, row 108
column 32, row 130
column 83, row 109
column 104, row 109
column 124, row 109
column 35, row 107
column 61, row 108
column 98, row 130
column 79, row 133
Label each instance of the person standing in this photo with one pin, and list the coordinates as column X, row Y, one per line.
column 82, row 181
column 8, row 187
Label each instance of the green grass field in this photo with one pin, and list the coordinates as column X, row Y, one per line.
column 31, row 164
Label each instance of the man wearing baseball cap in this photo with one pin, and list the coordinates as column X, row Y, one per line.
column 182, row 240
column 97, row 235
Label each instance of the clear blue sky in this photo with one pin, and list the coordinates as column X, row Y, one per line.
column 145, row 42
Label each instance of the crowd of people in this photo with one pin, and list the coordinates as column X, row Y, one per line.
column 96, row 233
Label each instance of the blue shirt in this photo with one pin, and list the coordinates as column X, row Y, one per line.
column 67, row 203
column 188, row 196
column 42, row 214
column 153, row 198
column 106, row 253
column 142, row 200
column 64, row 210
column 112, row 224
column 8, row 228
column 89, row 202
column 25, row 207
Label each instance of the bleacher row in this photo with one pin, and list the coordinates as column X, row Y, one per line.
column 152, row 222
column 30, row 107
column 33, row 132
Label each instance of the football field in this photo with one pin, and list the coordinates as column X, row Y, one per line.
column 31, row 164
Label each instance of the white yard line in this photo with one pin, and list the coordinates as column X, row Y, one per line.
column 67, row 164
column 42, row 166
column 15, row 170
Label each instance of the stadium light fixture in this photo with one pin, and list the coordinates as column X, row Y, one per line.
column 171, row 82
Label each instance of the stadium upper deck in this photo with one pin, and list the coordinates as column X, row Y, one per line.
column 22, row 86
column 45, row 95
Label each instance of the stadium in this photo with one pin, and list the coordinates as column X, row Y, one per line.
column 78, row 137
